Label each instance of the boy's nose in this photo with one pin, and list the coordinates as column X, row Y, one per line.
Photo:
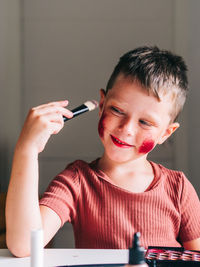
column 127, row 126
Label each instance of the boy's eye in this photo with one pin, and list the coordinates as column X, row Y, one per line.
column 116, row 110
column 145, row 123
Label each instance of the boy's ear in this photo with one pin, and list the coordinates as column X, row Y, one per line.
column 102, row 98
column 169, row 131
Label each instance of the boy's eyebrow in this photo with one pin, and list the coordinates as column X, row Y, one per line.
column 153, row 117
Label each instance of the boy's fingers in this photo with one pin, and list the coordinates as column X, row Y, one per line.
column 62, row 103
column 67, row 113
column 57, row 128
column 47, row 109
column 54, row 117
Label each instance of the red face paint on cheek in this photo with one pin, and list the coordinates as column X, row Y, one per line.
column 101, row 125
column 146, row 146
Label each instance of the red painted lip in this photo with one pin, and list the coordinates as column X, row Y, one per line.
column 120, row 143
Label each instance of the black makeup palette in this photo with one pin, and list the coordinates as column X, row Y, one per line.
column 169, row 256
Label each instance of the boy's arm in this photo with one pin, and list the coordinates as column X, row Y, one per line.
column 22, row 205
column 192, row 245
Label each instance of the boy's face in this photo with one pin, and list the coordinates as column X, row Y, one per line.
column 131, row 121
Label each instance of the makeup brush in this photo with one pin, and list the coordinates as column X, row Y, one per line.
column 87, row 106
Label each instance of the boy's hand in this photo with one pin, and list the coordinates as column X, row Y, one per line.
column 41, row 122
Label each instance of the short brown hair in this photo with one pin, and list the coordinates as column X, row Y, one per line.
column 158, row 71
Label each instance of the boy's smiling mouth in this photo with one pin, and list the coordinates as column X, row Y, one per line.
column 120, row 143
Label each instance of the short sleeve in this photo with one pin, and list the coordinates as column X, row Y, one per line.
column 62, row 194
column 190, row 212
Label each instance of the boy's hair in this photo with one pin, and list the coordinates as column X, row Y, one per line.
column 158, row 71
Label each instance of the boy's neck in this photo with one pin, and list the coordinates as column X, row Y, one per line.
column 134, row 166
column 135, row 176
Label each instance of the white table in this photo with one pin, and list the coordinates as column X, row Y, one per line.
column 55, row 257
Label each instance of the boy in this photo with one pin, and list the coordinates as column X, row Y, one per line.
column 121, row 192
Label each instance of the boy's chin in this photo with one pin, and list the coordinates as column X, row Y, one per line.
column 122, row 159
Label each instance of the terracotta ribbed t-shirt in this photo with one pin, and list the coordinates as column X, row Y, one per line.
column 106, row 216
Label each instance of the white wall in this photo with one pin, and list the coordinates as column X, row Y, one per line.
column 187, row 43
column 194, row 106
column 10, row 94
column 68, row 50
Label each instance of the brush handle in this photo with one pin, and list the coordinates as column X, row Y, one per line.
column 77, row 111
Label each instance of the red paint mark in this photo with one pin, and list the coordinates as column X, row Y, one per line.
column 101, row 125
column 146, row 146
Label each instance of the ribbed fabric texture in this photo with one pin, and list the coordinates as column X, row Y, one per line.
column 106, row 216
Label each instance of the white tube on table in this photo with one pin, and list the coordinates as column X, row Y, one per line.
column 37, row 251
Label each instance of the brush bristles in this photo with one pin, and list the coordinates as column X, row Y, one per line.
column 91, row 104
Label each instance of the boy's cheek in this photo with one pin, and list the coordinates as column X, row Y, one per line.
column 101, row 125
column 147, row 146
column 105, row 123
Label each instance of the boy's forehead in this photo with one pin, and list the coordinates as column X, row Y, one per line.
column 124, row 86
column 128, row 92
column 123, row 81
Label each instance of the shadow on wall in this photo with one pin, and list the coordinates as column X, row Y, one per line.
column 4, row 167
column 2, row 220
column 4, row 177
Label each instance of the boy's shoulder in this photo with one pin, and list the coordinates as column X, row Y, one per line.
column 79, row 166
column 77, row 163
column 173, row 181
column 166, row 170
column 170, row 176
column 160, row 171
